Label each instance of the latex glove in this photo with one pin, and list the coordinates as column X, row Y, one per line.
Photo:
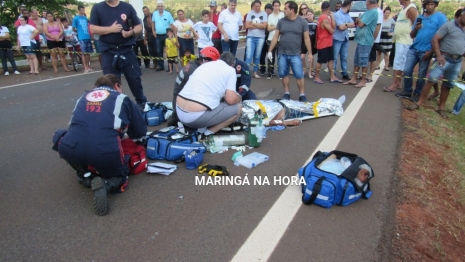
column 270, row 56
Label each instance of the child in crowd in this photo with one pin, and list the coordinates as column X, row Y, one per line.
column 205, row 30
column 188, row 57
column 70, row 36
column 172, row 50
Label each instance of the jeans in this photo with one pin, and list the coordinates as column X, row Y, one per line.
column 341, row 49
column 160, row 42
column 185, row 43
column 152, row 45
column 230, row 46
column 263, row 58
column 7, row 54
column 459, row 103
column 254, row 50
column 143, row 50
column 413, row 58
column 293, row 61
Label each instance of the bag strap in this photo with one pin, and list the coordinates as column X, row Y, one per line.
column 316, row 190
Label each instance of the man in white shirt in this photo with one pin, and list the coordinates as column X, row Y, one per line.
column 199, row 104
column 229, row 24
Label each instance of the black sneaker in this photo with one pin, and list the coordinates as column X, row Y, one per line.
column 415, row 97
column 262, row 73
column 303, row 99
column 269, row 76
column 346, row 77
column 85, row 181
column 100, row 201
column 159, row 69
column 404, row 94
column 286, row 97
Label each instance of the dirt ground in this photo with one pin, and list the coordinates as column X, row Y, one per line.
column 430, row 220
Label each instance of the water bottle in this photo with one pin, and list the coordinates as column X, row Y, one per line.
column 392, row 28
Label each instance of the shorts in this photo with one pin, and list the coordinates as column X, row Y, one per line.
column 362, row 53
column 292, row 61
column 209, row 118
column 372, row 56
column 400, row 57
column 172, row 60
column 29, row 50
column 86, row 46
column 55, row 44
column 449, row 72
column 325, row 55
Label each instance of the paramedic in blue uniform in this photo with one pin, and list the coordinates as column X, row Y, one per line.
column 100, row 120
column 117, row 24
column 244, row 80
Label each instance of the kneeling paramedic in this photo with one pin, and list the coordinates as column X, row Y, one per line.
column 244, row 80
column 101, row 119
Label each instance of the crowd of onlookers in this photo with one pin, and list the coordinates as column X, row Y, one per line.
column 403, row 41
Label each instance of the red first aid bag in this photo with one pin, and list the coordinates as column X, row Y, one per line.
column 137, row 161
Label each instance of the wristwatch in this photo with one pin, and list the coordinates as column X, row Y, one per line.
column 346, row 25
column 133, row 34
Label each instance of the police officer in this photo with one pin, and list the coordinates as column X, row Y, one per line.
column 117, row 36
column 100, row 120
column 244, row 80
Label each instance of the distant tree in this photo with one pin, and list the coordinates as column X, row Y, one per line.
column 448, row 9
column 10, row 9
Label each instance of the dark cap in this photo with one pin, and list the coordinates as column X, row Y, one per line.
column 268, row 6
column 325, row 5
column 213, row 3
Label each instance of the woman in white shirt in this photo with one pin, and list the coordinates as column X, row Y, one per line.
column 185, row 33
column 5, row 51
column 29, row 46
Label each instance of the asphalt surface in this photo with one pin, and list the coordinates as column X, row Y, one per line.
column 47, row 216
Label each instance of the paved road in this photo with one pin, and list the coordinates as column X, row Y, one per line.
column 47, row 216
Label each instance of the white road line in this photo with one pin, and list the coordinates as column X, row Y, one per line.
column 260, row 244
column 51, row 79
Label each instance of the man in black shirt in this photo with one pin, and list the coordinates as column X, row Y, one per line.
column 117, row 24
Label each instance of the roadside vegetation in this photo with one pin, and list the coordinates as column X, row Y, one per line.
column 430, row 218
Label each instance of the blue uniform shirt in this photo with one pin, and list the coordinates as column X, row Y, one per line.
column 105, row 15
column 430, row 25
column 162, row 22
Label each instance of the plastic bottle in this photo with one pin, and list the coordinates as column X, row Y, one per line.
column 252, row 137
column 392, row 28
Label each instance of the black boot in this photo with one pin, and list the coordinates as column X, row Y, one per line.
column 100, row 201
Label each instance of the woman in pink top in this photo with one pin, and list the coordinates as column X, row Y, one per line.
column 54, row 35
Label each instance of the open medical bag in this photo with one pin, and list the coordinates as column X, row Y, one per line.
column 326, row 189
column 156, row 115
column 170, row 144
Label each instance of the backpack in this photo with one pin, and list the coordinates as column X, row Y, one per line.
column 327, row 184
column 137, row 160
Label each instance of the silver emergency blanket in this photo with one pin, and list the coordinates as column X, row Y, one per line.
column 249, row 107
column 320, row 108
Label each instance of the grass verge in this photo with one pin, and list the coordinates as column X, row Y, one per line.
column 430, row 216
